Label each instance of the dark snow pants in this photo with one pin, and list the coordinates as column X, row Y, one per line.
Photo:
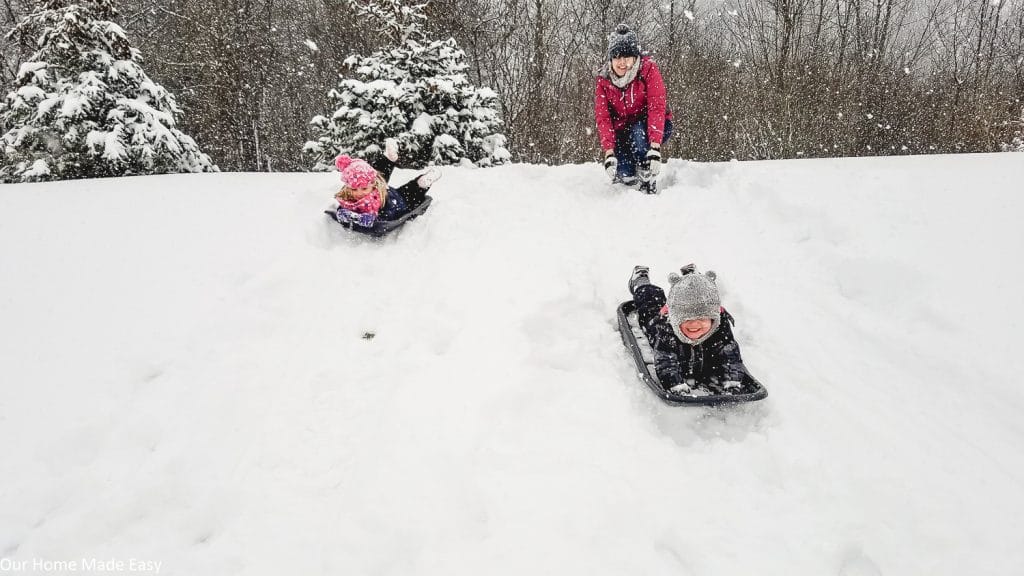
column 400, row 200
column 632, row 144
column 650, row 299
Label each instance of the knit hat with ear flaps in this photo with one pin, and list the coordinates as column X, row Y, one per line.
column 354, row 172
column 623, row 42
column 693, row 295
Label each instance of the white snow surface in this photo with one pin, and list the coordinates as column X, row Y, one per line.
column 186, row 379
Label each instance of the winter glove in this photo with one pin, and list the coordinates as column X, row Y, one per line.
column 611, row 165
column 683, row 388
column 363, row 220
column 651, row 165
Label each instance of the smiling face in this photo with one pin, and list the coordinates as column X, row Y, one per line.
column 695, row 328
column 358, row 193
column 622, row 64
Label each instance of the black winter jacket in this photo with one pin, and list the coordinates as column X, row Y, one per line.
column 675, row 361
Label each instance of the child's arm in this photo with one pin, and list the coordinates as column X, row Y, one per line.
column 383, row 165
column 667, row 367
column 364, row 220
column 665, row 345
column 732, row 368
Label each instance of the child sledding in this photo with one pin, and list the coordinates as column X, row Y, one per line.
column 682, row 342
column 367, row 204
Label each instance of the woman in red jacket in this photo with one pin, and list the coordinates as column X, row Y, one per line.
column 632, row 114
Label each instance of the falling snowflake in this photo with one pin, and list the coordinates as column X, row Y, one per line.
column 688, row 14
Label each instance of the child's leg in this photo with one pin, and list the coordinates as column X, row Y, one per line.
column 412, row 192
column 383, row 166
column 649, row 301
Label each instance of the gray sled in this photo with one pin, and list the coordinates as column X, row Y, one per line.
column 383, row 227
column 703, row 394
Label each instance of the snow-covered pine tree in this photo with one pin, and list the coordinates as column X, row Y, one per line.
column 416, row 91
column 83, row 107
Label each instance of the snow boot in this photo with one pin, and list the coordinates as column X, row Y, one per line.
column 391, row 150
column 688, row 269
column 638, row 278
column 649, row 186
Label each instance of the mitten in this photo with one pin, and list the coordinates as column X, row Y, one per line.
column 683, row 388
column 653, row 162
column 611, row 165
column 363, row 220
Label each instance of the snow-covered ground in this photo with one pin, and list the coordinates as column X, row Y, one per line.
column 186, row 378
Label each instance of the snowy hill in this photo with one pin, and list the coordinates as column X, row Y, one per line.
column 186, row 378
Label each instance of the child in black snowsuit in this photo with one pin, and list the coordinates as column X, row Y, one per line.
column 689, row 332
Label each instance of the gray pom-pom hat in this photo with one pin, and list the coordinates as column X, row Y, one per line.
column 623, row 42
column 693, row 295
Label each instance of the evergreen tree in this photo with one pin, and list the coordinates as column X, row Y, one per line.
column 82, row 106
column 417, row 91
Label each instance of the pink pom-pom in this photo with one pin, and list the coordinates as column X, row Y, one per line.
column 355, row 172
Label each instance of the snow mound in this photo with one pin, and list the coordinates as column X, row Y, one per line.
column 202, row 370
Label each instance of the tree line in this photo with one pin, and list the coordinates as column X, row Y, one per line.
column 747, row 79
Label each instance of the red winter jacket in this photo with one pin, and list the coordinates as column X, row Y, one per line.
column 617, row 108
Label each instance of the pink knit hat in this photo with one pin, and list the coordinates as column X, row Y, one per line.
column 354, row 172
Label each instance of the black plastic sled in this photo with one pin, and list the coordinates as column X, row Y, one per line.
column 383, row 227
column 702, row 395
